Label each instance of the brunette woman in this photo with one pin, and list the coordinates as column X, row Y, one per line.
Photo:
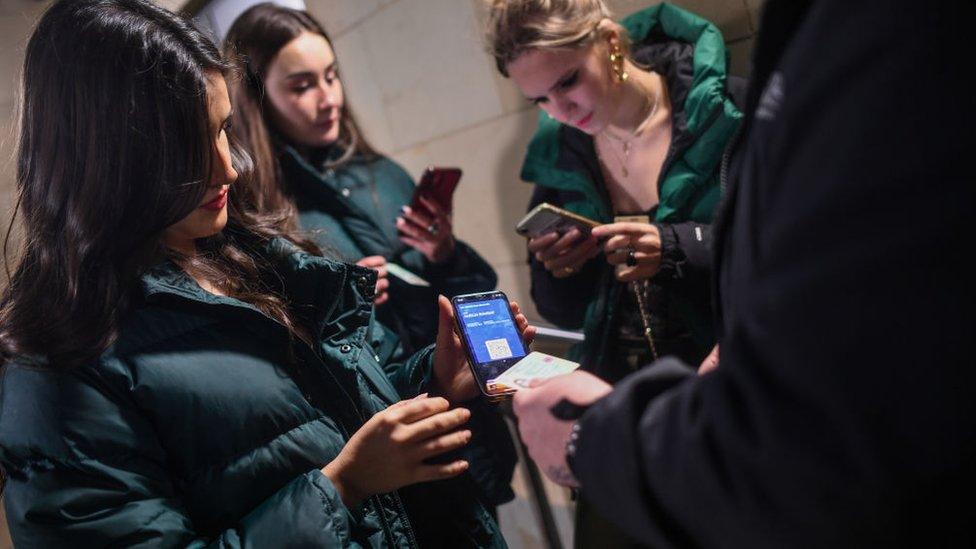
column 177, row 369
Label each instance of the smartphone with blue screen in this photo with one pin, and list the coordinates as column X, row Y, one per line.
column 490, row 337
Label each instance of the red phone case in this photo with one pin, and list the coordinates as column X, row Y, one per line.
column 437, row 184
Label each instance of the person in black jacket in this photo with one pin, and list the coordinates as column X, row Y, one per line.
column 841, row 412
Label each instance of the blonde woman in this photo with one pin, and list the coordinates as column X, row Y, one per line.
column 636, row 118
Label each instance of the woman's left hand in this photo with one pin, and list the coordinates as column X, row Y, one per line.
column 634, row 248
column 429, row 232
column 452, row 378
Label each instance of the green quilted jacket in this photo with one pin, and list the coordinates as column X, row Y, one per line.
column 203, row 425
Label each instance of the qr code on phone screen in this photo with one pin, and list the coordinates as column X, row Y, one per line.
column 498, row 349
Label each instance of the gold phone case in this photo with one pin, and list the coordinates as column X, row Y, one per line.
column 546, row 218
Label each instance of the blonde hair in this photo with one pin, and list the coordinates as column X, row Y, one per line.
column 516, row 26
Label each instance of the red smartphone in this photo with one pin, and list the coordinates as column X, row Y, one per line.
column 437, row 185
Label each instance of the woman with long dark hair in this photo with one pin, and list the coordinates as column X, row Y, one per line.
column 177, row 369
column 314, row 162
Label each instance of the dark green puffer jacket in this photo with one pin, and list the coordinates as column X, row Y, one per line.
column 196, row 428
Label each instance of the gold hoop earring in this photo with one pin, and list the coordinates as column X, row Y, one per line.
column 617, row 64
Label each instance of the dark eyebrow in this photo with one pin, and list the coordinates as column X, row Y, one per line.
column 306, row 74
column 559, row 81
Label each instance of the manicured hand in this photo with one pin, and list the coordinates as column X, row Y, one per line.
column 429, row 232
column 641, row 242
column 544, row 434
column 452, row 377
column 563, row 255
column 389, row 450
column 378, row 264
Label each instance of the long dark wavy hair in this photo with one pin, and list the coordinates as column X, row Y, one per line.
column 115, row 148
column 253, row 41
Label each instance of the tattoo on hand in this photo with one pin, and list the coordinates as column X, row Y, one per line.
column 560, row 475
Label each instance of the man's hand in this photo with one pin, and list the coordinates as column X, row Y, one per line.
column 543, row 434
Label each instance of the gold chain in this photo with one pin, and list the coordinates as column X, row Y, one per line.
column 640, row 288
column 652, row 107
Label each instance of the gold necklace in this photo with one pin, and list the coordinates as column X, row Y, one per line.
column 626, row 141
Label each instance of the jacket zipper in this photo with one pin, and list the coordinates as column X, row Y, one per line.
column 395, row 495
column 723, row 177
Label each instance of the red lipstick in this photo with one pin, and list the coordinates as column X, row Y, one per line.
column 584, row 121
column 217, row 203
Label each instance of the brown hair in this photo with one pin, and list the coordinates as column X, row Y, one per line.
column 252, row 42
column 115, row 147
column 516, row 26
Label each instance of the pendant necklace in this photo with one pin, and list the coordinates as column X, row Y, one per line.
column 626, row 141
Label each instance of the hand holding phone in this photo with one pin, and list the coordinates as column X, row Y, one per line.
column 546, row 218
column 494, row 335
column 564, row 254
column 425, row 224
column 437, row 185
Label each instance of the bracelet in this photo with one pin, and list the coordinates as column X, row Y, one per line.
column 572, row 443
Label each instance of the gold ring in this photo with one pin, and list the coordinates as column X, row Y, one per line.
column 568, row 270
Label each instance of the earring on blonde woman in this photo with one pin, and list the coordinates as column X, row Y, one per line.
column 617, row 64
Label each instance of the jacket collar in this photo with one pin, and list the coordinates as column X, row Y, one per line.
column 315, row 185
column 336, row 297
